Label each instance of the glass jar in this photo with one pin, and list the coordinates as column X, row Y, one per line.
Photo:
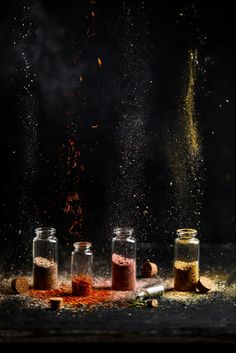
column 186, row 260
column 45, row 259
column 81, row 268
column 124, row 260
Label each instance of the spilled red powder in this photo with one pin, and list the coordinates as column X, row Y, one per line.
column 99, row 295
column 96, row 297
column 81, row 285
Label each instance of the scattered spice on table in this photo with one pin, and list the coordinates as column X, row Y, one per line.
column 97, row 296
column 103, row 296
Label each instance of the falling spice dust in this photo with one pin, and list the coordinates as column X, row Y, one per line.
column 184, row 153
column 73, row 207
column 129, row 204
column 189, row 105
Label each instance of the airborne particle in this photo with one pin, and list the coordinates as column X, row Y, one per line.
column 99, row 62
column 95, row 125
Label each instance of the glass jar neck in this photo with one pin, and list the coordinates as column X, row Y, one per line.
column 82, row 245
column 45, row 232
column 123, row 233
column 186, row 233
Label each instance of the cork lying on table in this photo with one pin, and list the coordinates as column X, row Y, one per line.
column 149, row 269
column 20, row 285
column 56, row 303
column 204, row 284
column 152, row 303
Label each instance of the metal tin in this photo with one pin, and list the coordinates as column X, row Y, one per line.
column 150, row 292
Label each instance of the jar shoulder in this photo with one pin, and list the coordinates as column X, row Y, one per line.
column 50, row 239
column 53, row 239
column 179, row 241
column 82, row 253
column 129, row 239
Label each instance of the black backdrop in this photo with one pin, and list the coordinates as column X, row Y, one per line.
column 63, row 43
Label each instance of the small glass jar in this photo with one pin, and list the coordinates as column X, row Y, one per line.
column 124, row 260
column 82, row 269
column 45, row 259
column 186, row 260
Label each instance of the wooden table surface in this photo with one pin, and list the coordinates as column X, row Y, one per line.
column 212, row 318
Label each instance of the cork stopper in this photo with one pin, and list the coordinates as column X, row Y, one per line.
column 152, row 303
column 20, row 285
column 149, row 269
column 204, row 284
column 56, row 303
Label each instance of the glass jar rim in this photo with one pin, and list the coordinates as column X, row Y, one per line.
column 47, row 231
column 82, row 245
column 187, row 232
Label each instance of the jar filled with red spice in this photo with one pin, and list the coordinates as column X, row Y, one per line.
column 124, row 260
column 81, row 269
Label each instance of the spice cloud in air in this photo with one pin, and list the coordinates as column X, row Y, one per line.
column 185, row 152
column 128, row 199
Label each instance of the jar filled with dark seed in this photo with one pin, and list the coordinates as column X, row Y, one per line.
column 45, row 259
column 186, row 261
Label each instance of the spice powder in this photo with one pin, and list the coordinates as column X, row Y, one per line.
column 123, row 273
column 81, row 285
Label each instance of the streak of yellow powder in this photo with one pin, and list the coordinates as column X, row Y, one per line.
column 189, row 105
column 99, row 62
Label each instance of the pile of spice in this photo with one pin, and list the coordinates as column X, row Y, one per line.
column 123, row 273
column 45, row 273
column 97, row 297
column 186, row 275
column 81, row 285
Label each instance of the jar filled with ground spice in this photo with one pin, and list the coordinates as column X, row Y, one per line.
column 124, row 260
column 186, row 261
column 45, row 259
column 81, row 269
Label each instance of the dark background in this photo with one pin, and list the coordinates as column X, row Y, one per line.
column 37, row 122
